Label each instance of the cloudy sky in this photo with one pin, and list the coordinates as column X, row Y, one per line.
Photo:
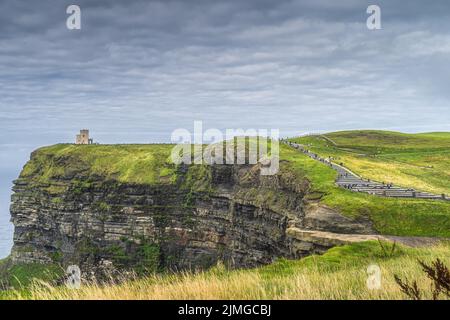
column 137, row 70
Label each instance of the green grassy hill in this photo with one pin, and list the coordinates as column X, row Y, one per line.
column 341, row 273
column 393, row 216
column 420, row 161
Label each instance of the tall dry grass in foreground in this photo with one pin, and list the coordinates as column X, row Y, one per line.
column 298, row 281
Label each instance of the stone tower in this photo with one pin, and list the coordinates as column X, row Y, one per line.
column 83, row 137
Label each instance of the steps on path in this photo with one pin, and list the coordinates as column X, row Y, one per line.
column 351, row 181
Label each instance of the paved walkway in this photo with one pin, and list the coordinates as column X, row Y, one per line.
column 351, row 181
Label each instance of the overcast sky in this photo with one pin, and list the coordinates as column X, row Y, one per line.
column 137, row 70
column 153, row 66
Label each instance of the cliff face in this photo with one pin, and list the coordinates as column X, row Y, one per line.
column 206, row 214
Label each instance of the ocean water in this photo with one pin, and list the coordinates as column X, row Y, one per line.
column 12, row 158
column 6, row 228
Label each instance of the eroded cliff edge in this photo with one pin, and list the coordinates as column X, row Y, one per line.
column 66, row 212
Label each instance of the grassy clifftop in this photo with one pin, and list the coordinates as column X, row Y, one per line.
column 146, row 164
column 422, row 160
column 394, row 216
column 376, row 140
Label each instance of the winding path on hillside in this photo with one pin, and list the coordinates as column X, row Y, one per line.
column 351, row 181
column 330, row 239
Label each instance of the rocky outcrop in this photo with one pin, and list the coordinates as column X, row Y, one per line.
column 228, row 213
